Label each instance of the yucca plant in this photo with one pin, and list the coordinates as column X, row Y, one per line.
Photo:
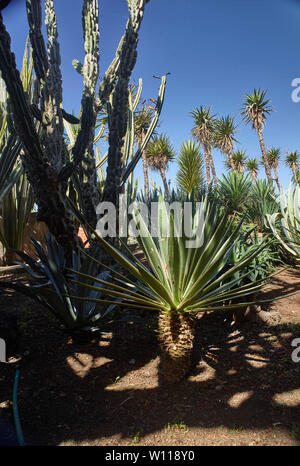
column 190, row 176
column 255, row 110
column 159, row 153
column 252, row 167
column 292, row 160
column 203, row 131
column 223, row 137
column 288, row 234
column 187, row 274
column 234, row 191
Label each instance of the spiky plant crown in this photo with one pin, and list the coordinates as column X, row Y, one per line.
column 190, row 168
column 255, row 108
column 159, row 152
column 204, row 122
column 252, row 166
column 239, row 159
column 292, row 159
column 273, row 156
column 223, row 134
column 142, row 121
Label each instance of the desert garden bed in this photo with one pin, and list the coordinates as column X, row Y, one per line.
column 243, row 389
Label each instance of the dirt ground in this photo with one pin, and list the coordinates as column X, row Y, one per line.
column 243, row 389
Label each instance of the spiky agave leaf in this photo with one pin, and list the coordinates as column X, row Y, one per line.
column 289, row 233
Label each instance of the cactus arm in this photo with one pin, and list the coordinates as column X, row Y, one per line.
column 131, row 166
column 22, row 114
column 118, row 120
column 82, row 151
column 39, row 55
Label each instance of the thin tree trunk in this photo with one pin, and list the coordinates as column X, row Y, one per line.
column 207, row 164
column 145, row 170
column 264, row 156
column 276, row 178
column 163, row 176
column 230, row 159
column 212, row 165
column 294, row 168
column 253, row 175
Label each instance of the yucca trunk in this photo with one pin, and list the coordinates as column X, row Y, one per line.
column 212, row 165
column 145, row 170
column 175, row 335
column 230, row 159
column 264, row 156
column 277, row 178
column 164, row 179
column 294, row 170
column 253, row 175
column 207, row 164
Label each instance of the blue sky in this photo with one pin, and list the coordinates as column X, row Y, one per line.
column 216, row 52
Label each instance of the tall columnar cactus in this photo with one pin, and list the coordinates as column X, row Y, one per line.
column 118, row 120
column 46, row 158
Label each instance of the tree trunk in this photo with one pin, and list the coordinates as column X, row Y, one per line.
column 264, row 156
column 145, row 170
column 163, row 176
column 175, row 335
column 253, row 175
column 294, row 170
column 207, row 164
column 212, row 165
column 276, row 178
column 230, row 159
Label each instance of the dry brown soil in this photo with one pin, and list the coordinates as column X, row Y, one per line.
column 244, row 388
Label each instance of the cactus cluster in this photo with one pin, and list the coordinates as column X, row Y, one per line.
column 40, row 124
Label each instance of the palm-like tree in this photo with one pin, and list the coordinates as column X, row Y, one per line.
column 254, row 111
column 252, row 167
column 159, row 153
column 292, row 160
column 223, row 137
column 273, row 156
column 190, row 175
column 202, row 131
column 142, row 121
column 239, row 158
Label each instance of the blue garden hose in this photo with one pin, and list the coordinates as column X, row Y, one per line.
column 16, row 410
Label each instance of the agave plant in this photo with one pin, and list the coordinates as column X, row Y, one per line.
column 262, row 265
column 52, row 288
column 262, row 201
column 289, row 233
column 187, row 275
column 16, row 207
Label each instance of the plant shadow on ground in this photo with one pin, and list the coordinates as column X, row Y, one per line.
column 243, row 384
